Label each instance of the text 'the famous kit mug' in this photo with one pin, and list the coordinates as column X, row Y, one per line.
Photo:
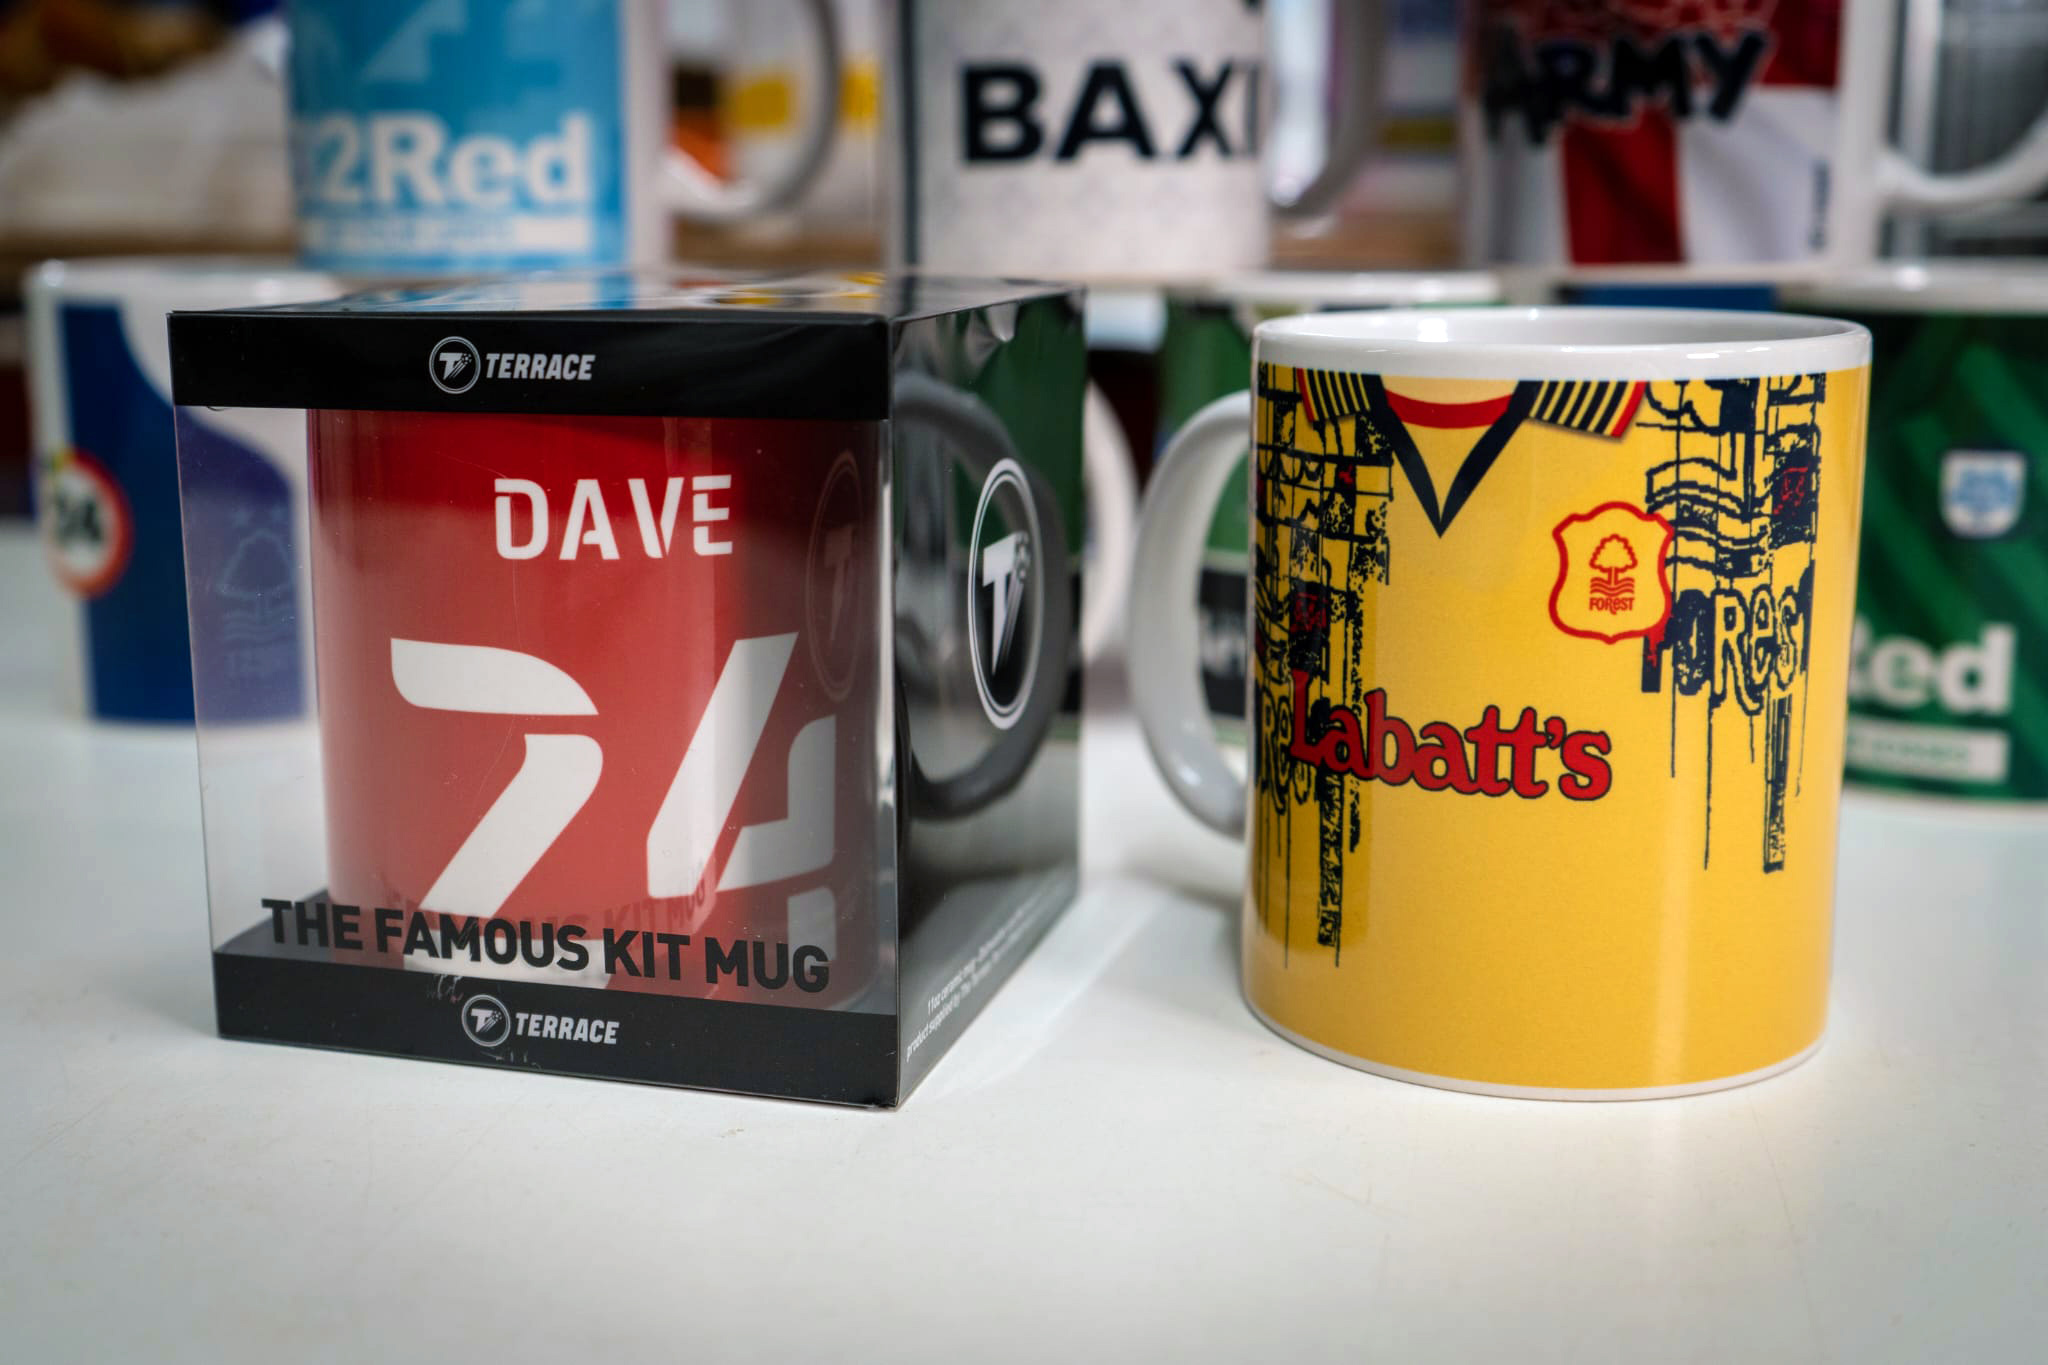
column 1550, row 637
column 107, row 495
column 1951, row 649
column 432, row 138
column 1069, row 139
column 1736, row 134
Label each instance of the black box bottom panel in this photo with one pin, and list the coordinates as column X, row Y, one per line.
column 835, row 1056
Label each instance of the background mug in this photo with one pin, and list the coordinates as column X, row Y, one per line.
column 1951, row 648
column 1969, row 86
column 1069, row 139
column 1736, row 136
column 1550, row 635
column 107, row 491
column 1655, row 286
column 765, row 112
column 436, row 139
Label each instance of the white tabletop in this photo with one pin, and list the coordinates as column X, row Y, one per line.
column 1117, row 1160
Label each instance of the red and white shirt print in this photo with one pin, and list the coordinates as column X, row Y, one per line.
column 1609, row 132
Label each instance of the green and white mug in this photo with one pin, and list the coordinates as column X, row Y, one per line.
column 1948, row 681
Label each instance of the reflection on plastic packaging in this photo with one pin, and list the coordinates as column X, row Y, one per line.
column 245, row 583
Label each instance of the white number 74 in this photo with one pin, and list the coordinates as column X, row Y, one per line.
column 560, row 772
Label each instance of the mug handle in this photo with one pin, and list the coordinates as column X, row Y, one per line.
column 981, row 442
column 1358, row 27
column 1899, row 182
column 694, row 194
column 1165, row 690
column 1112, row 481
column 2016, row 175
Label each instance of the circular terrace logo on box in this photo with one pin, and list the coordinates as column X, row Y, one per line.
column 486, row 1020
column 454, row 365
column 1002, row 548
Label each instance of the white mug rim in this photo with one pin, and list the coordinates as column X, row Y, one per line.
column 1343, row 288
column 1564, row 343
column 2016, row 287
column 263, row 279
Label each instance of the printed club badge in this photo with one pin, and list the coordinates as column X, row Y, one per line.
column 1611, row 582
column 88, row 531
column 1982, row 492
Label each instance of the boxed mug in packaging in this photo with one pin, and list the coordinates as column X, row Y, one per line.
column 696, row 675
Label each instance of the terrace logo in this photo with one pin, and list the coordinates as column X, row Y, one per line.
column 454, row 365
column 1003, row 547
column 486, row 1020
column 490, row 1024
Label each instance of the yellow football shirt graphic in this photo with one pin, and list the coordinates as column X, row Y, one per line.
column 1544, row 674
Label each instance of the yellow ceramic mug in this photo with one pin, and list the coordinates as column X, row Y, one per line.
column 1549, row 638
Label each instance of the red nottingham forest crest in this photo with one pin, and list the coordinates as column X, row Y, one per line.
column 1611, row 581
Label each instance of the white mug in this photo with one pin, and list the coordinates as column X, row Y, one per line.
column 1969, row 83
column 1613, row 134
column 1081, row 140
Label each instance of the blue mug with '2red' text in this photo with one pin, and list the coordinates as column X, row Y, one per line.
column 432, row 136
